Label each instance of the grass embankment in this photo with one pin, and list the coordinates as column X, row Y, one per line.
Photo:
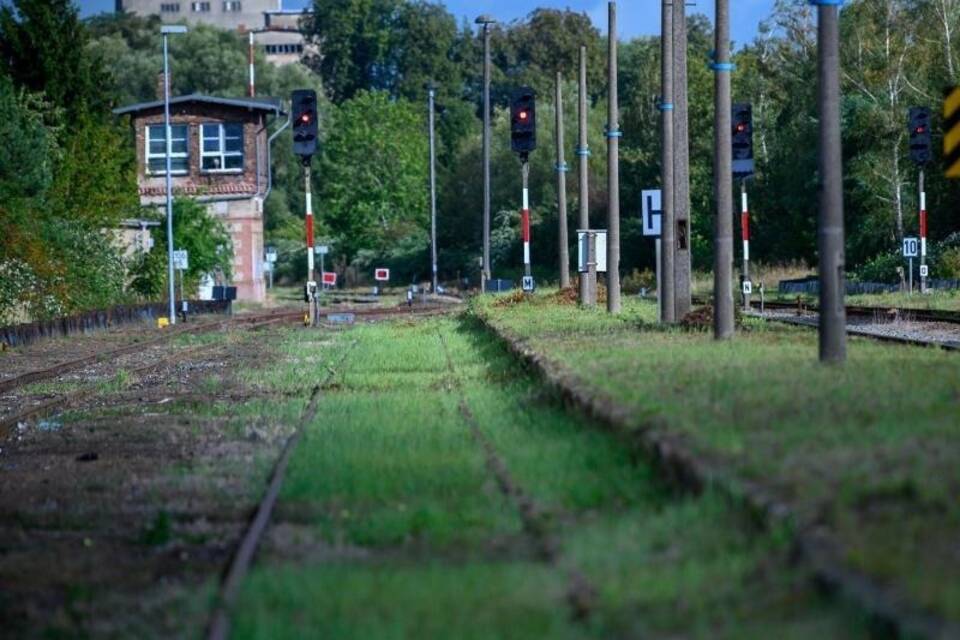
column 867, row 450
column 392, row 525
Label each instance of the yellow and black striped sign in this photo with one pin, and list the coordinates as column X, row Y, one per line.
column 951, row 132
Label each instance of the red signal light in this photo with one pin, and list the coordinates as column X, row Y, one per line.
column 305, row 118
column 741, row 127
column 523, row 115
column 920, row 129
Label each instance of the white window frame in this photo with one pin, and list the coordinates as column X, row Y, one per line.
column 201, row 6
column 221, row 153
column 174, row 155
column 232, row 6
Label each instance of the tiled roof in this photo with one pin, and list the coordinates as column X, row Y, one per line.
column 260, row 104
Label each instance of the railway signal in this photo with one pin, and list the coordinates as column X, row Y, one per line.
column 304, row 110
column 921, row 143
column 523, row 121
column 304, row 113
column 742, row 141
column 523, row 140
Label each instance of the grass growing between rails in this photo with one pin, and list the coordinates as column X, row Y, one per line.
column 401, row 529
column 867, row 450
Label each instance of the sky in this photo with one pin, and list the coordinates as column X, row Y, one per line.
column 635, row 17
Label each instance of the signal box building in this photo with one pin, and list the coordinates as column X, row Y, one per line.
column 220, row 158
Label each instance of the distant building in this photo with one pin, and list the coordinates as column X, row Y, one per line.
column 219, row 157
column 276, row 30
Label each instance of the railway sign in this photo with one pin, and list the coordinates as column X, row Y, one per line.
column 329, row 278
column 652, row 212
column 911, row 247
column 951, row 132
column 381, row 275
column 181, row 260
column 271, row 254
column 321, row 249
column 528, row 284
column 601, row 249
column 924, row 271
column 747, row 287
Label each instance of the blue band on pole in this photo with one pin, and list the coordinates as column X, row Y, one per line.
column 722, row 66
column 562, row 167
column 828, row 3
column 666, row 106
column 583, row 152
column 614, row 134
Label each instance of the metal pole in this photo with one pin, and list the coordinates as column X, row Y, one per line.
column 562, row 241
column 668, row 231
column 658, row 246
column 183, row 300
column 591, row 275
column 830, row 235
column 723, row 324
column 431, row 93
column 923, row 235
column 525, row 217
column 311, row 276
column 486, row 155
column 745, row 234
column 252, row 88
column 613, row 178
column 169, row 181
column 588, row 280
column 681, row 163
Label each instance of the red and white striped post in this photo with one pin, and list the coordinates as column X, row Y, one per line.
column 308, row 218
column 251, row 88
column 923, row 236
column 525, row 219
column 745, row 234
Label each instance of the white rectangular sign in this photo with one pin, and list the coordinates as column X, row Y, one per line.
column 601, row 249
column 181, row 260
column 321, row 249
column 911, row 247
column 652, row 212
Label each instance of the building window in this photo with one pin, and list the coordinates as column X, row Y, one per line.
column 231, row 6
column 222, row 147
column 200, row 7
column 170, row 7
column 157, row 149
column 283, row 49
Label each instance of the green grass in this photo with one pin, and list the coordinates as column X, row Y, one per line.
column 414, row 539
column 868, row 448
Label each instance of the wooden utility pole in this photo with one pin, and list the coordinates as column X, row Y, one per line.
column 564, row 250
column 723, row 180
column 668, row 226
column 613, row 179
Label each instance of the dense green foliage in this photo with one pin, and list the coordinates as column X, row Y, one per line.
column 66, row 170
column 195, row 229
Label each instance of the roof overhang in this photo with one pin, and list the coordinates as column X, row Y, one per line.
column 268, row 105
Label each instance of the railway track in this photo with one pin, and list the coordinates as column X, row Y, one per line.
column 179, row 330
column 914, row 314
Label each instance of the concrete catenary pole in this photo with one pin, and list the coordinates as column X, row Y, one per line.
column 613, row 178
column 830, row 235
column 562, row 241
column 308, row 223
column 668, row 226
column 486, row 21
column 681, row 162
column 588, row 279
column 723, row 321
column 166, row 30
column 431, row 96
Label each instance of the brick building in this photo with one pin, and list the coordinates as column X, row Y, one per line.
column 276, row 30
column 220, row 157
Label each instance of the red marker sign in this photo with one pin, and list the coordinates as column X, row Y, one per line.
column 381, row 275
column 330, row 278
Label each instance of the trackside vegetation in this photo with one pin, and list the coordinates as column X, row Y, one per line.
column 393, row 523
column 866, row 452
